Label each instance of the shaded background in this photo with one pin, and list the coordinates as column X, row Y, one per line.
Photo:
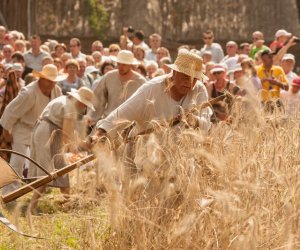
column 178, row 21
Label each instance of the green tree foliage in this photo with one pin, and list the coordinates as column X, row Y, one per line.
column 98, row 18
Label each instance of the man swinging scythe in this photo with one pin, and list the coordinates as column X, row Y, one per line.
column 163, row 99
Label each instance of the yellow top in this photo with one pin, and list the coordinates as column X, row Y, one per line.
column 270, row 91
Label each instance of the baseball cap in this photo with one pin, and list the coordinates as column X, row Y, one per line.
column 282, row 33
column 267, row 52
column 218, row 68
column 288, row 56
column 296, row 81
column 17, row 67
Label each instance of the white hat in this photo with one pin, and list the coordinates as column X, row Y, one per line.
column 17, row 67
column 237, row 67
column 83, row 95
column 188, row 63
column 7, row 66
column 50, row 72
column 218, row 68
column 282, row 33
column 91, row 69
column 126, row 57
column 288, row 56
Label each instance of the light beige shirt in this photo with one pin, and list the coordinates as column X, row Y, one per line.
column 21, row 113
column 110, row 93
column 35, row 62
column 152, row 102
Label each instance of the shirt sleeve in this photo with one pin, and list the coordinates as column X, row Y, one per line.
column 17, row 108
column 101, row 97
column 130, row 110
column 220, row 54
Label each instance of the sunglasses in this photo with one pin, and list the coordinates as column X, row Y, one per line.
column 207, row 37
column 218, row 73
column 114, row 50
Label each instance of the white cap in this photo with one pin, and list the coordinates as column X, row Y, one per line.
column 282, row 33
column 237, row 67
column 17, row 67
column 218, row 68
column 7, row 66
column 288, row 56
column 91, row 69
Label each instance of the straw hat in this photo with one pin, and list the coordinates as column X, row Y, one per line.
column 50, row 72
column 83, row 95
column 126, row 57
column 188, row 63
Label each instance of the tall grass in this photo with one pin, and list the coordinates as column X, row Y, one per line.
column 236, row 188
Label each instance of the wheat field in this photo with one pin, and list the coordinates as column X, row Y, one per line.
column 236, row 188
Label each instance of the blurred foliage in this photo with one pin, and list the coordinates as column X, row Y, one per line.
column 98, row 18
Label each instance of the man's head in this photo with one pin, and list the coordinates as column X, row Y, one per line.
column 114, row 49
column 282, row 36
column 97, row 46
column 244, row 48
column 288, row 63
column 82, row 67
column 207, row 56
column 258, row 38
column 208, row 37
column 75, row 46
column 139, row 53
column 84, row 97
column 187, row 69
column 49, row 75
column 267, row 58
column 218, row 72
column 97, row 56
column 238, row 72
column 125, row 60
column 295, row 85
column 18, row 68
column 155, row 41
column 72, row 67
column 231, row 48
column 20, row 46
column 59, row 49
column 35, row 42
column 18, row 57
column 138, row 37
column 7, row 51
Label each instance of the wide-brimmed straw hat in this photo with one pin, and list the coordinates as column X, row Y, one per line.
column 51, row 73
column 83, row 95
column 126, row 57
column 189, row 64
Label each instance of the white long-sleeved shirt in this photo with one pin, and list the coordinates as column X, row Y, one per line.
column 22, row 112
column 110, row 93
column 152, row 102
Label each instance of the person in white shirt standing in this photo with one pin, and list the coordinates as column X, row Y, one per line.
column 215, row 48
column 291, row 98
column 21, row 114
column 288, row 64
column 155, row 43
